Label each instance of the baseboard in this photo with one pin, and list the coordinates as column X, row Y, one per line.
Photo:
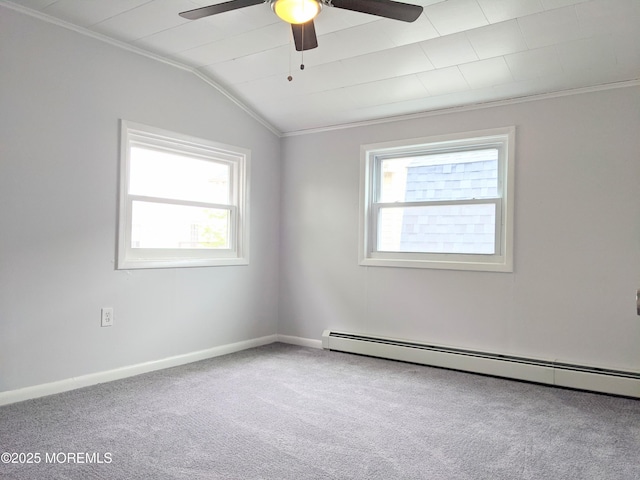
column 300, row 341
column 36, row 391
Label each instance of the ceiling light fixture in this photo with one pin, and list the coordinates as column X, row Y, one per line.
column 296, row 11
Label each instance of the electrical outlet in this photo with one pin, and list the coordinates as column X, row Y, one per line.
column 106, row 317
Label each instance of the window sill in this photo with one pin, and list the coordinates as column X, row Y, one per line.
column 503, row 267
column 181, row 263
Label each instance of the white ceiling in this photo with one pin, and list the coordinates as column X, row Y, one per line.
column 459, row 52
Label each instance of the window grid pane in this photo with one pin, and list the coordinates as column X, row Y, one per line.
column 162, row 174
column 458, row 228
column 443, row 176
column 167, row 226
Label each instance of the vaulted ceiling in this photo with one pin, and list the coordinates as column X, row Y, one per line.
column 458, row 52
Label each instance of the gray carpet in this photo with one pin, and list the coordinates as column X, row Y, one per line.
column 286, row 412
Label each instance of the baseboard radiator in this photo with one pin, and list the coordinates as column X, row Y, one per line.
column 616, row 382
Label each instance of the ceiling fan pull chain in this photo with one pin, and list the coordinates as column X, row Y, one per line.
column 302, row 52
column 290, row 55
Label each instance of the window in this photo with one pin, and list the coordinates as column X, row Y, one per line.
column 183, row 201
column 442, row 202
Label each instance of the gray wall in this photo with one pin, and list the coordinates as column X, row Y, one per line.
column 577, row 230
column 61, row 97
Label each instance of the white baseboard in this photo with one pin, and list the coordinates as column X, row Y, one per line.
column 300, row 341
column 36, row 391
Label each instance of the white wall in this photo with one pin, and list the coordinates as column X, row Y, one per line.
column 577, row 232
column 61, row 97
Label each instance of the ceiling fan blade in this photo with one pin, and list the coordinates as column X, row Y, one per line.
column 382, row 8
column 304, row 36
column 219, row 8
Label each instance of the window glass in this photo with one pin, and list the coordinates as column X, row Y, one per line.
column 444, row 176
column 438, row 229
column 157, row 173
column 157, row 225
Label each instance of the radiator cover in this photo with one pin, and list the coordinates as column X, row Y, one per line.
column 617, row 382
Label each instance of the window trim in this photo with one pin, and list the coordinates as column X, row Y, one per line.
column 136, row 134
column 370, row 160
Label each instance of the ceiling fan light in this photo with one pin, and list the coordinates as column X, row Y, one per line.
column 296, row 11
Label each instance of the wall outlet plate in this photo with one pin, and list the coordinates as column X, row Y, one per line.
column 106, row 317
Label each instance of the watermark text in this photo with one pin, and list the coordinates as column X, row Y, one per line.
column 25, row 458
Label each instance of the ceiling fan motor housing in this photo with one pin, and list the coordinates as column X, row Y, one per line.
column 296, row 12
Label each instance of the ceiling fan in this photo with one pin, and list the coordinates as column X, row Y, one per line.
column 300, row 13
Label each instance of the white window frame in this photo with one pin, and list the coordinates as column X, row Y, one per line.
column 371, row 156
column 136, row 134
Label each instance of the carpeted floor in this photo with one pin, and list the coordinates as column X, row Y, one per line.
column 286, row 412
